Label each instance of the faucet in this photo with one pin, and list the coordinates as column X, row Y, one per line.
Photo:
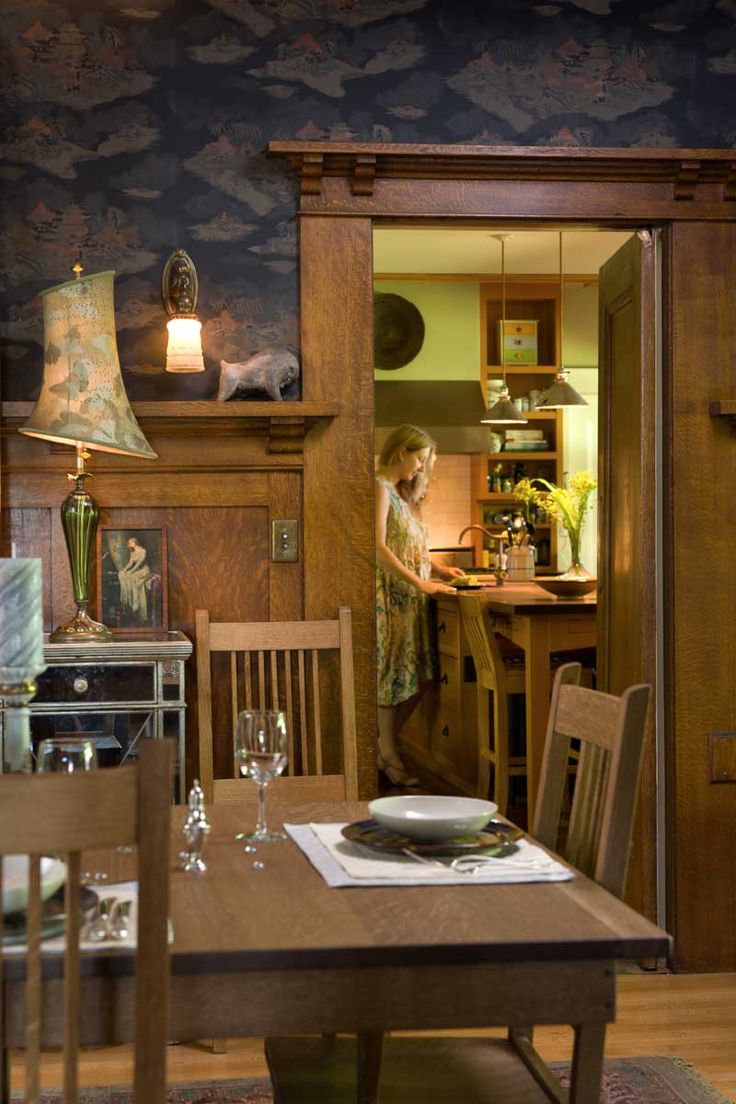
column 482, row 528
column 498, row 571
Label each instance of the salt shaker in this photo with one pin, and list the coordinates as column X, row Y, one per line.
column 196, row 829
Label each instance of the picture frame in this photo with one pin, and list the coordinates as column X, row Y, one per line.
column 132, row 579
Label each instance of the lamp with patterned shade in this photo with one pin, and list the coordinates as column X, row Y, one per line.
column 83, row 403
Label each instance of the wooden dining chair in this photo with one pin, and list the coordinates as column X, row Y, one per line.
column 302, row 667
column 433, row 1070
column 63, row 815
column 498, row 673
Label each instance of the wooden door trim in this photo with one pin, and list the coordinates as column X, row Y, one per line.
column 406, row 185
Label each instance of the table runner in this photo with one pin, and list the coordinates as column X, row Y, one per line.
column 344, row 864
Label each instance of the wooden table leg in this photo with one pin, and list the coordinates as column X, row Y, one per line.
column 369, row 1052
column 538, row 689
column 587, row 1063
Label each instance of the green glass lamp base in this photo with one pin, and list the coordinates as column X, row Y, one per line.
column 81, row 630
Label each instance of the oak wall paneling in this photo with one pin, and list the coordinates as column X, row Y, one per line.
column 336, row 287
column 702, row 537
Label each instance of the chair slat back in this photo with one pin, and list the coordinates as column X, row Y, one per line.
column 278, row 665
column 487, row 658
column 99, row 809
column 611, row 731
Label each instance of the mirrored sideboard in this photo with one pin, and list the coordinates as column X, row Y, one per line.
column 118, row 693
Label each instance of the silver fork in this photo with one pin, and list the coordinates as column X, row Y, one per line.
column 464, row 864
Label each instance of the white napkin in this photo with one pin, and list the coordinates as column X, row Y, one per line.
column 343, row 863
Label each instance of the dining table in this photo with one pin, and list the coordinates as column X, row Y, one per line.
column 262, row 946
column 543, row 625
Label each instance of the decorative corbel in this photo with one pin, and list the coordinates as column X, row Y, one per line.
column 364, row 174
column 686, row 180
column 311, row 173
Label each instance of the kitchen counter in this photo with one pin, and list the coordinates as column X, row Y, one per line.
column 442, row 733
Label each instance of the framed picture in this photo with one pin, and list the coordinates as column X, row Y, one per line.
column 132, row 582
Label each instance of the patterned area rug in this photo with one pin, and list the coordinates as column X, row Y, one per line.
column 626, row 1081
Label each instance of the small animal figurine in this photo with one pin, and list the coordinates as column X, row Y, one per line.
column 268, row 371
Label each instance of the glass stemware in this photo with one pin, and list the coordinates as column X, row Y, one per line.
column 66, row 754
column 261, row 742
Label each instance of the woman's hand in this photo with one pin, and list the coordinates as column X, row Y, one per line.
column 431, row 586
column 453, row 573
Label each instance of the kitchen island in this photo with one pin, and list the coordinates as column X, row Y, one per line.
column 440, row 737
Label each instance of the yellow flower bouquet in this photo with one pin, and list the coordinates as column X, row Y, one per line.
column 566, row 505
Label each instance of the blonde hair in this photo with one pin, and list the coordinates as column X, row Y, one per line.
column 407, row 438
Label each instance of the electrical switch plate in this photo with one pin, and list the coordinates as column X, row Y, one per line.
column 284, row 540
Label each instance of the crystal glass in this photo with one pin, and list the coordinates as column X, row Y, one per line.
column 66, row 754
column 261, row 742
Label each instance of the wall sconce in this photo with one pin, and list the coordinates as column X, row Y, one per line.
column 179, row 287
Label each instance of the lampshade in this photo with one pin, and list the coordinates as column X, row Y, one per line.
column 560, row 393
column 83, row 398
column 503, row 411
column 184, row 348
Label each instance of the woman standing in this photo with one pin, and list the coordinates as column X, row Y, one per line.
column 403, row 585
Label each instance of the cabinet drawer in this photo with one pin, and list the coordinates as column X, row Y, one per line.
column 448, row 634
column 448, row 680
column 89, row 682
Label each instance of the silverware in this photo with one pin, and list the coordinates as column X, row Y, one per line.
column 98, row 929
column 120, row 926
column 466, row 864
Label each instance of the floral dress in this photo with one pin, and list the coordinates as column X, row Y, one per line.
column 405, row 653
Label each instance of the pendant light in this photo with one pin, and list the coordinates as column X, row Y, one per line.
column 560, row 393
column 503, row 411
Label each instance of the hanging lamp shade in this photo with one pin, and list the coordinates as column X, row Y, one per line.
column 503, row 411
column 560, row 393
column 83, row 398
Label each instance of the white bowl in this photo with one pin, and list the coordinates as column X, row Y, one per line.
column 15, row 880
column 430, row 817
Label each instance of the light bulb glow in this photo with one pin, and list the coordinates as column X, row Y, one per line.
column 184, row 348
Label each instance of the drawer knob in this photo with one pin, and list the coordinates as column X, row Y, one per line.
column 446, row 730
column 442, row 627
column 81, row 686
column 444, row 679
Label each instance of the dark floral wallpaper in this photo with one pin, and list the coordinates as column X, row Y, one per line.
column 133, row 127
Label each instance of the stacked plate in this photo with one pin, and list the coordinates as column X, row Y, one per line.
column 432, row 825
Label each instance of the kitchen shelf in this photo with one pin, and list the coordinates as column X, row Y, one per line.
column 495, row 371
column 505, row 457
column 528, row 299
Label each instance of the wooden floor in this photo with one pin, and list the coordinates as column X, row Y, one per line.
column 692, row 1016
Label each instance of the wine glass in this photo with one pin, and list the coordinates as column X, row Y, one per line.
column 261, row 742
column 66, row 754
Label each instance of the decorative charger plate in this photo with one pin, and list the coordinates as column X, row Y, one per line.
column 53, row 917
column 371, row 834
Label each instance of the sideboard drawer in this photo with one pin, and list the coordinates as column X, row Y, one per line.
column 94, row 682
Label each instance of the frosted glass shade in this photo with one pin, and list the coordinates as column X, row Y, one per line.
column 184, row 349
column 83, row 398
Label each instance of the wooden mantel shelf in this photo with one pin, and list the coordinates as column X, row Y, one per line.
column 285, row 423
